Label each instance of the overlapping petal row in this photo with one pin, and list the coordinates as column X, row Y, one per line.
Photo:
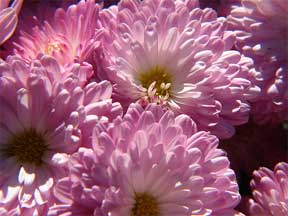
column 149, row 154
column 261, row 29
column 180, row 54
column 270, row 195
column 46, row 114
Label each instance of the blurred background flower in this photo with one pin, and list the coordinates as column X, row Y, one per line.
column 68, row 37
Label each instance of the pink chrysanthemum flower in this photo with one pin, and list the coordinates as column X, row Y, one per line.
column 262, row 34
column 8, row 18
column 149, row 163
column 44, row 116
column 178, row 55
column 270, row 191
column 68, row 38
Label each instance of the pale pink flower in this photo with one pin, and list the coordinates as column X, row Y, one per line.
column 149, row 163
column 262, row 34
column 178, row 55
column 8, row 18
column 270, row 191
column 68, row 37
column 44, row 116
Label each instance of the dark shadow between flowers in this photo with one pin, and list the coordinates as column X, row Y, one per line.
column 252, row 147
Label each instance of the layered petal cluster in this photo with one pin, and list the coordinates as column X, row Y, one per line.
column 270, row 191
column 45, row 115
column 262, row 32
column 68, row 37
column 178, row 55
column 149, row 163
column 8, row 18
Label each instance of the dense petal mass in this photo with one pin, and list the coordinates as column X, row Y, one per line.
column 8, row 18
column 68, row 37
column 270, row 195
column 262, row 32
column 149, row 163
column 45, row 116
column 178, row 55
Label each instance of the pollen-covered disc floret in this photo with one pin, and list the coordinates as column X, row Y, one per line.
column 45, row 115
column 27, row 147
column 145, row 204
column 177, row 55
column 262, row 31
column 159, row 78
column 270, row 195
column 68, row 37
column 149, row 163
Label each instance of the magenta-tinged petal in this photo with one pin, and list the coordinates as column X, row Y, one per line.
column 17, row 4
column 8, row 18
column 23, row 106
column 8, row 23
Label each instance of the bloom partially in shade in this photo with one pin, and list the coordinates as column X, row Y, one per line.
column 108, row 3
column 149, row 163
column 68, row 37
column 44, row 116
column 178, row 55
column 223, row 7
column 8, row 18
column 270, row 191
column 262, row 32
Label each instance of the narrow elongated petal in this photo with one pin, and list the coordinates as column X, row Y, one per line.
column 8, row 23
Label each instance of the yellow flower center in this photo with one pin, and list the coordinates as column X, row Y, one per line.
column 51, row 47
column 28, row 147
column 160, row 76
column 145, row 205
